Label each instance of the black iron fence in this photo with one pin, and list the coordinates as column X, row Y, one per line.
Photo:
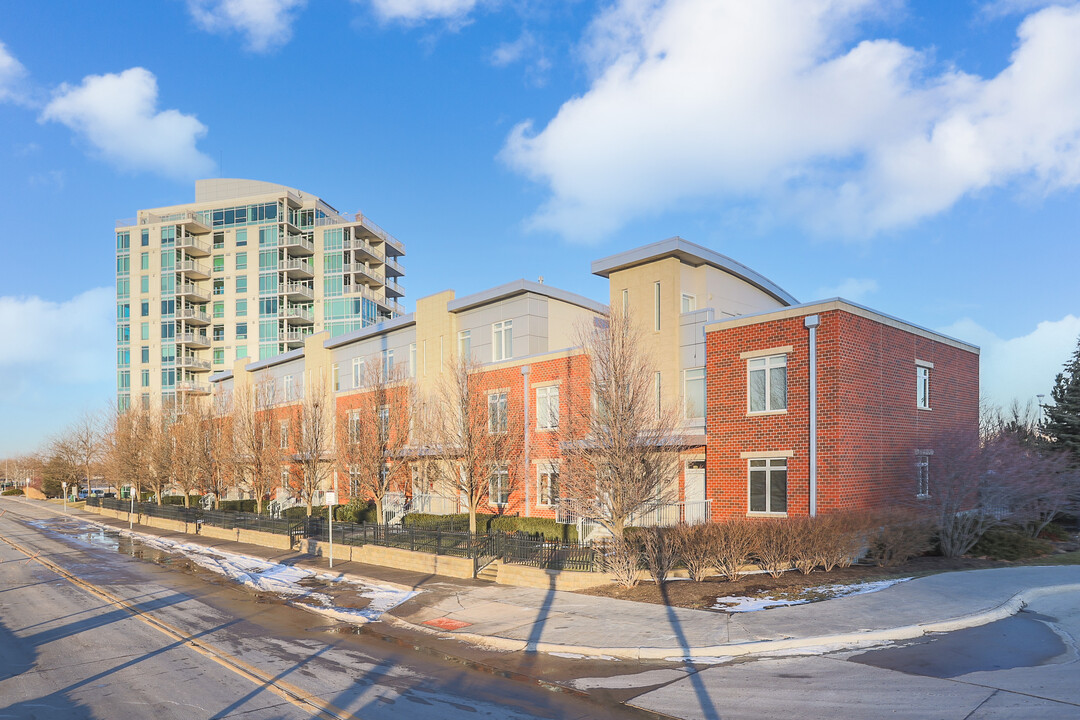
column 517, row 548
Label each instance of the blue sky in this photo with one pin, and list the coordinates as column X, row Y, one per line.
column 921, row 158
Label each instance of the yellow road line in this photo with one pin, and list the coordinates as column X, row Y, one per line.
column 287, row 691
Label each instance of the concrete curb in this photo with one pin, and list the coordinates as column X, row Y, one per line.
column 906, row 632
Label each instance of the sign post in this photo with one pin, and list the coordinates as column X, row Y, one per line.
column 64, row 485
column 331, row 499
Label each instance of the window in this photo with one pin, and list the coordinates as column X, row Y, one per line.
column 241, row 283
column 547, row 407
column 689, row 303
column 145, row 238
column 219, row 287
column 285, row 471
column 219, row 263
column 335, row 377
column 656, row 307
column 659, row 396
column 768, row 485
column 767, row 383
column 354, row 425
column 502, row 340
column 144, row 261
column 383, row 419
column 144, row 331
column 144, row 284
column 922, row 387
column 357, row 368
column 168, row 308
column 497, row 417
column 288, row 383
column 388, row 364
column 694, row 392
column 241, row 308
column 626, row 302
column 241, row 331
column 145, row 355
column 241, row 240
column 219, row 309
column 219, row 240
column 241, row 351
column 922, row 473
column 219, row 333
column 145, row 378
column 219, row 356
column 144, row 309
column 412, row 360
column 547, row 484
column 123, row 357
column 464, row 344
column 283, row 435
column 499, row 485
column 241, row 261
column 123, row 240
column 123, row 334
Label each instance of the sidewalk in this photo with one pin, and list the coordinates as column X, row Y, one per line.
column 516, row 618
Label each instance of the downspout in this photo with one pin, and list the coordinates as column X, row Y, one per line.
column 811, row 322
column 525, row 423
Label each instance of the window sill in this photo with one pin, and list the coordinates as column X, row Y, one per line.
column 766, row 514
column 924, row 496
column 925, row 409
column 547, row 430
column 759, row 413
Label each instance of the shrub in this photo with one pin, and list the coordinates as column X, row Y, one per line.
column 12, row 491
column 621, row 560
column 537, row 527
column 773, row 546
column 179, row 500
column 458, row 522
column 357, row 511
column 807, row 538
column 898, row 536
column 735, row 540
column 842, row 539
column 661, row 552
column 1010, row 544
column 1054, row 532
column 697, row 546
column 247, row 506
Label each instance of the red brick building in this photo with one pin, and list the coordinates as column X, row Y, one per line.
column 787, row 408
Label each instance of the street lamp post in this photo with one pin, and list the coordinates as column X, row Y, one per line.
column 331, row 499
column 63, row 484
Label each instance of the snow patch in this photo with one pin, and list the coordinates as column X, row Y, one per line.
column 740, row 604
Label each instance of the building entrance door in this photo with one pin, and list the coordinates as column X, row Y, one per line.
column 695, row 509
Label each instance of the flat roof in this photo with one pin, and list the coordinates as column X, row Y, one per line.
column 519, row 287
column 371, row 330
column 838, row 303
column 691, row 254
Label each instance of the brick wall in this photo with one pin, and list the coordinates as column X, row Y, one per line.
column 868, row 423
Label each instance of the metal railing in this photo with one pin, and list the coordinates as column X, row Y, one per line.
column 295, row 312
column 193, row 289
column 186, row 242
column 190, row 266
column 301, row 264
column 191, row 338
column 186, row 361
column 192, row 314
column 194, row 388
column 297, row 241
column 362, row 269
column 297, row 289
column 431, row 504
column 667, row 514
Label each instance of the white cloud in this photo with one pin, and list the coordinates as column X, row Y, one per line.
column 1020, row 368
column 265, row 23
column 411, row 11
column 12, row 74
column 770, row 101
column 510, row 52
column 1001, row 8
column 62, row 362
column 118, row 115
column 854, row 289
column 71, row 341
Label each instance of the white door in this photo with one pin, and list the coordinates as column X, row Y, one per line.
column 695, row 507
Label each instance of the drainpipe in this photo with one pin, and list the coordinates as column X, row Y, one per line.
column 811, row 322
column 525, row 424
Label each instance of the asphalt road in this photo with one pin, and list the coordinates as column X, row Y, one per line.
column 1022, row 668
column 90, row 632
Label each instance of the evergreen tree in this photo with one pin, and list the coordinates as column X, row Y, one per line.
column 1063, row 417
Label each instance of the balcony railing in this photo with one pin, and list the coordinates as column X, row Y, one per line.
column 193, row 314
column 192, row 388
column 295, row 313
column 362, row 245
column 298, row 242
column 297, row 289
column 192, row 245
column 193, row 268
column 296, row 265
column 362, row 269
column 192, row 338
column 190, row 290
column 192, row 363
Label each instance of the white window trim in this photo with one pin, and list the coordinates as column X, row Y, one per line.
column 656, row 307
column 505, row 471
column 768, row 494
column 547, row 388
column 919, row 371
column 766, row 352
column 704, row 395
column 500, row 329
column 693, row 302
column 922, row 460
column 491, row 394
column 550, row 467
column 768, row 385
column 356, row 378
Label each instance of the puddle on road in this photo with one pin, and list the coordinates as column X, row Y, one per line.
column 1023, row 640
column 107, row 539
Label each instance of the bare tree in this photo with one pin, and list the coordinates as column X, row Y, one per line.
column 477, row 438
column 314, row 422
column 188, row 443
column 373, row 432
column 62, row 462
column 620, row 450
column 256, row 443
column 125, row 453
column 86, row 438
column 217, row 454
column 158, row 454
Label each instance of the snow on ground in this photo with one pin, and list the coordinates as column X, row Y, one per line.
column 284, row 580
column 740, row 604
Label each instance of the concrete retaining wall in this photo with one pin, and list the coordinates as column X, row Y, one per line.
column 524, row 576
column 165, row 524
column 415, row 561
